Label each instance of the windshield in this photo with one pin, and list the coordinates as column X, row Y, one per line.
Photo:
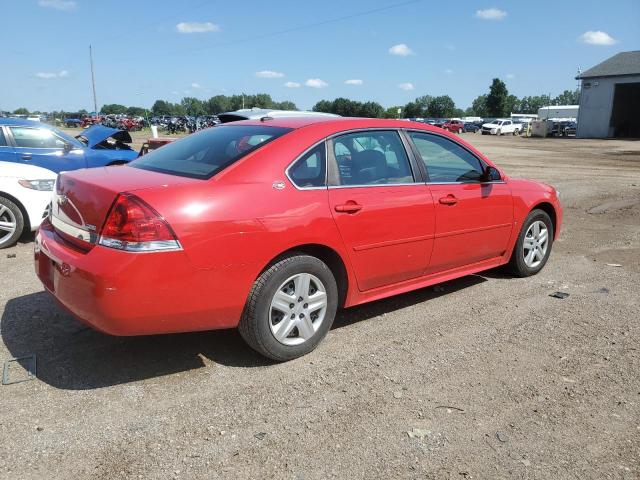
column 203, row 154
column 496, row 122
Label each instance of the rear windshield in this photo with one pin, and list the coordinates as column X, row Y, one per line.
column 203, row 154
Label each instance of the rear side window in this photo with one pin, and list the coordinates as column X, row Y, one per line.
column 310, row 169
column 445, row 160
column 36, row 138
column 3, row 142
column 203, row 154
column 371, row 158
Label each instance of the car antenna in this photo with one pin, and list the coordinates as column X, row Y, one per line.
column 265, row 118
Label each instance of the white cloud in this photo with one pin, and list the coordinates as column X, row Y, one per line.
column 597, row 37
column 64, row 5
column 448, row 71
column 47, row 75
column 406, row 86
column 511, row 76
column 196, row 85
column 316, row 83
column 354, row 81
column 175, row 92
column 491, row 14
column 269, row 74
column 292, row 85
column 401, row 50
column 197, row 27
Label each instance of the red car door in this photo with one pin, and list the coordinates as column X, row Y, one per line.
column 474, row 217
column 384, row 215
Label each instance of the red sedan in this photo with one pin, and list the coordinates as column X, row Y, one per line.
column 272, row 225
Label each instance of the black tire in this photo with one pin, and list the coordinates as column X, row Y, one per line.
column 10, row 213
column 254, row 324
column 517, row 265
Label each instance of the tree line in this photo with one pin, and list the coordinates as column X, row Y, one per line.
column 497, row 102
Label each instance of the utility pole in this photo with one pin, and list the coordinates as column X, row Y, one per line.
column 93, row 83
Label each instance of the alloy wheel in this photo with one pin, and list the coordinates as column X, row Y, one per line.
column 536, row 243
column 8, row 224
column 298, row 309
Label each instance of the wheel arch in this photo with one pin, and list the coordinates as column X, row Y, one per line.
column 549, row 210
column 25, row 215
column 329, row 256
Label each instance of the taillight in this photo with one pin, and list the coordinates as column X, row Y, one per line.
column 134, row 226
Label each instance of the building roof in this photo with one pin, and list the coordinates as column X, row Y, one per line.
column 624, row 63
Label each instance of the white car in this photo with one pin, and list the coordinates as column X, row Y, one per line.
column 25, row 194
column 501, row 126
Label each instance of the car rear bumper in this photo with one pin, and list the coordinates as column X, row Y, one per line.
column 122, row 293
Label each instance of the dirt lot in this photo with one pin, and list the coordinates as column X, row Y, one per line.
column 494, row 377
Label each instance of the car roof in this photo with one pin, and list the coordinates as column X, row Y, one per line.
column 21, row 122
column 258, row 113
column 339, row 123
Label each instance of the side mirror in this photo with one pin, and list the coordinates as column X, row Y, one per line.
column 67, row 147
column 491, row 174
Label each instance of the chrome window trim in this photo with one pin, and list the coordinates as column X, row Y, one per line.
column 373, row 185
column 286, row 172
column 465, row 183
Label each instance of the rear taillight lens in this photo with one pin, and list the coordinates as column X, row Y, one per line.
column 134, row 226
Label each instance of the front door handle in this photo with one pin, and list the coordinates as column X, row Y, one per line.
column 448, row 200
column 26, row 156
column 349, row 207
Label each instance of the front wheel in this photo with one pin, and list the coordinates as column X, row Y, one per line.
column 533, row 246
column 290, row 308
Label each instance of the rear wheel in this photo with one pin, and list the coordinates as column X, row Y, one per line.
column 11, row 223
column 290, row 308
column 533, row 246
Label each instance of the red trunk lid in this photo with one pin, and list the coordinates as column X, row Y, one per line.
column 83, row 198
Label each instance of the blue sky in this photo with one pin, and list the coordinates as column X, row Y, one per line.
column 391, row 50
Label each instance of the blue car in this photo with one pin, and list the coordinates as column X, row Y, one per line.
column 35, row 143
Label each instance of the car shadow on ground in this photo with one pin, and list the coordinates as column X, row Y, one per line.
column 74, row 357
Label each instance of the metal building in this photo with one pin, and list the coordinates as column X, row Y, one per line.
column 610, row 98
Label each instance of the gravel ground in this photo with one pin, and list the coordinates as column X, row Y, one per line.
column 483, row 377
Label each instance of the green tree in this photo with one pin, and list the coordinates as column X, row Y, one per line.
column 478, row 107
column 136, row 111
column 113, row 109
column 217, row 104
column 568, row 97
column 161, row 107
column 193, row 106
column 286, row 105
column 512, row 105
column 413, row 110
column 532, row 104
column 21, row 111
column 392, row 112
column 441, row 107
column 371, row 110
column 324, row 106
column 497, row 98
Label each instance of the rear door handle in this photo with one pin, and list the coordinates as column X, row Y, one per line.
column 448, row 200
column 349, row 207
column 26, row 156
